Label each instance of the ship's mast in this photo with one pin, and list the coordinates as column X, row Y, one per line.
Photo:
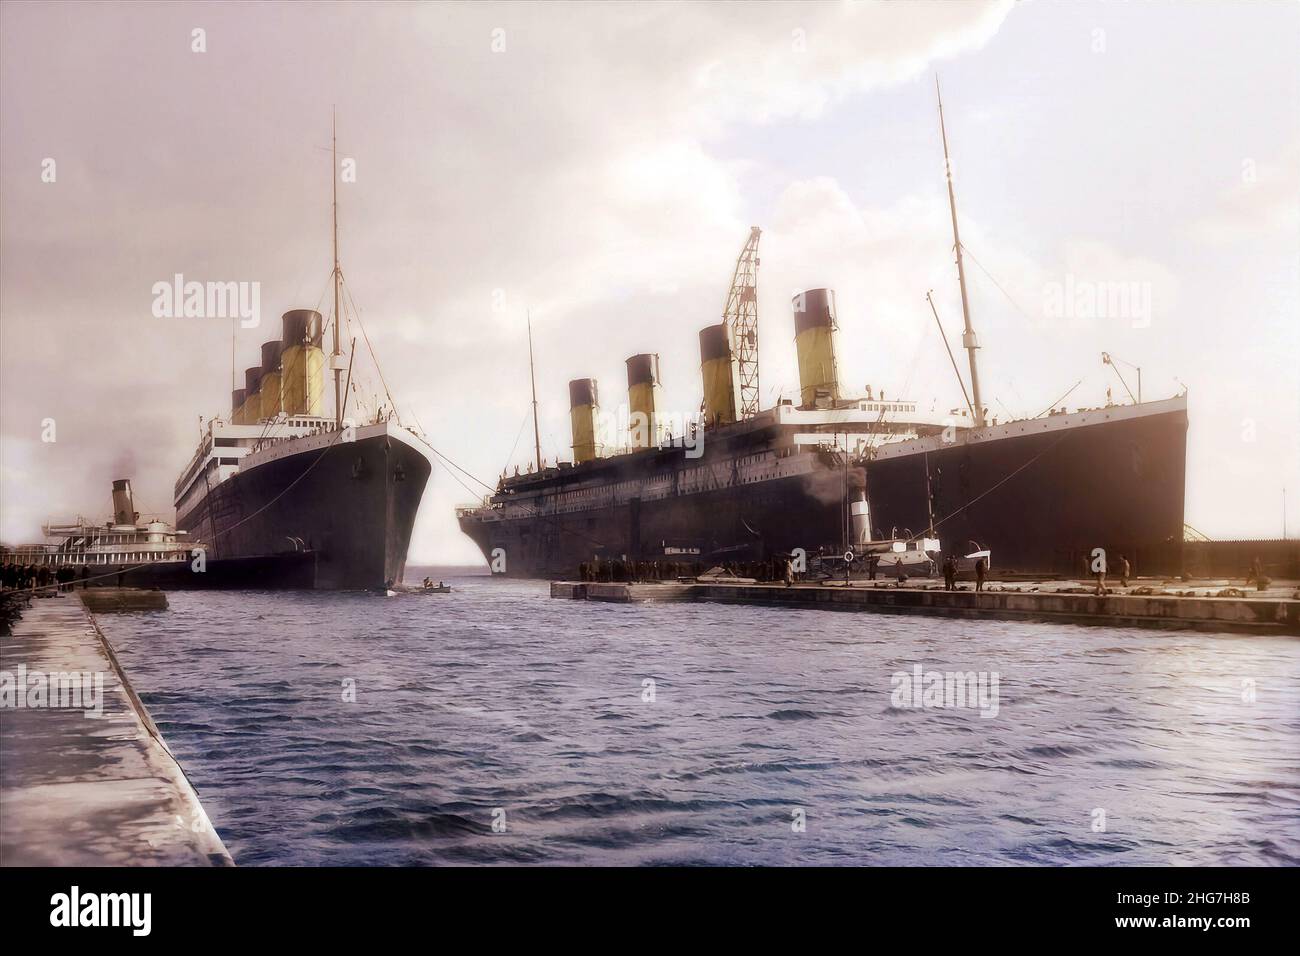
column 334, row 360
column 532, row 375
column 968, row 339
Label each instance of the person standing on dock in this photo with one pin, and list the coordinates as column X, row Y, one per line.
column 898, row 570
column 1257, row 575
column 789, row 573
column 1124, row 568
column 949, row 573
column 981, row 570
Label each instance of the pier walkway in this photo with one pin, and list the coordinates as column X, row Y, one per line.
column 1202, row 607
column 85, row 778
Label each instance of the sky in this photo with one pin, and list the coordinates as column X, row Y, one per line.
column 598, row 166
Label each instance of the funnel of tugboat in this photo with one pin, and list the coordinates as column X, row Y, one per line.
column 721, row 374
column 814, row 337
column 123, row 502
column 583, row 407
column 860, row 515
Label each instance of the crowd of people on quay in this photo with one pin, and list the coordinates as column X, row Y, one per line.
column 778, row 569
column 38, row 577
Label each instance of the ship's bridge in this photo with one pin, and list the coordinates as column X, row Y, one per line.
column 225, row 444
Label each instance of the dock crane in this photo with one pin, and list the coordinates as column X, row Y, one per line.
column 741, row 318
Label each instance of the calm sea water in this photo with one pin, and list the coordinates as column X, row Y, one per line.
column 767, row 736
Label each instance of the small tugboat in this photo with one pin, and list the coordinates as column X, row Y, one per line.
column 898, row 556
column 866, row 557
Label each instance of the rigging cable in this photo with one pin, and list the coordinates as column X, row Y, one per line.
column 998, row 284
column 370, row 348
column 531, row 511
column 1059, row 400
column 989, row 491
column 518, row 435
column 337, row 435
column 442, row 458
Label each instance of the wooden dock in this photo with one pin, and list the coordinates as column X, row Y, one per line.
column 1274, row 612
column 85, row 777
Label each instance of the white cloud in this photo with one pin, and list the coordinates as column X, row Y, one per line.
column 798, row 61
column 1263, row 205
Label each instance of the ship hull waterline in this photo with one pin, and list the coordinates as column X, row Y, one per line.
column 337, row 517
column 1042, row 502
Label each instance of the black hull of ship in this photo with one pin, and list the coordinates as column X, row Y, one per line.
column 338, row 520
column 1041, row 502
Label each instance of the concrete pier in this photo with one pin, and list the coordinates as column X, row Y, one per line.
column 107, row 600
column 569, row 590
column 1195, row 608
column 622, row 593
column 85, row 777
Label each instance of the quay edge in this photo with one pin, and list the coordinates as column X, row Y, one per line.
column 77, row 790
column 1279, row 616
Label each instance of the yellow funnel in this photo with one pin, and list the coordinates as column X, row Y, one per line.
column 814, row 337
column 721, row 374
column 583, row 405
column 643, row 400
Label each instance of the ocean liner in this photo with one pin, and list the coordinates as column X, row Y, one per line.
column 281, row 494
column 748, row 484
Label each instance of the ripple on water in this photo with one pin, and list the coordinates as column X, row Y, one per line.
column 504, row 727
